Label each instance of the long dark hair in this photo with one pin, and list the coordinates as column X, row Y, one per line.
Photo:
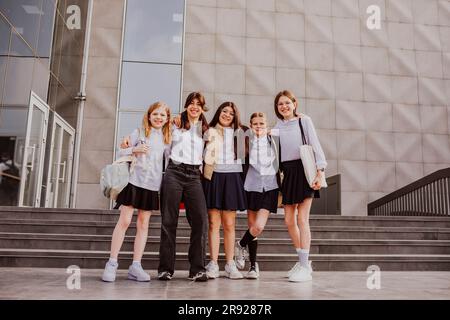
column 236, row 124
column 239, row 129
column 184, row 116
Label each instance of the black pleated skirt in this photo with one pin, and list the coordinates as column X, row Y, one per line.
column 138, row 198
column 225, row 191
column 263, row 200
column 295, row 187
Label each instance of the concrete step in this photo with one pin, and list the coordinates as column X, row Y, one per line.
column 281, row 262
column 265, row 245
column 275, row 219
column 319, row 232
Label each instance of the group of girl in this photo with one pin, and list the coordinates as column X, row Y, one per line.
column 216, row 169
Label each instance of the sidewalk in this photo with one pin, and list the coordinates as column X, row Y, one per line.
column 36, row 283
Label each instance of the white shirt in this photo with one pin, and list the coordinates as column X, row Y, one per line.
column 187, row 145
column 291, row 139
column 261, row 175
column 225, row 158
column 147, row 171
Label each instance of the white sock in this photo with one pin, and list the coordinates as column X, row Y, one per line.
column 304, row 256
column 113, row 261
column 136, row 263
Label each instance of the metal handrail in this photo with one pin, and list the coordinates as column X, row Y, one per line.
column 428, row 196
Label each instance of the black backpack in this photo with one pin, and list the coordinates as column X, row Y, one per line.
column 10, row 184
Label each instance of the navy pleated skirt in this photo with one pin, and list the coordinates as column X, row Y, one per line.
column 295, row 187
column 225, row 191
column 138, row 198
column 263, row 200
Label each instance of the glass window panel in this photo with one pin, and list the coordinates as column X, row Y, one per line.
column 18, row 81
column 19, row 47
column 154, row 31
column 41, row 78
column 145, row 83
column 46, row 29
column 3, row 62
column 55, row 63
column 13, row 121
column 128, row 121
column 5, row 32
column 24, row 16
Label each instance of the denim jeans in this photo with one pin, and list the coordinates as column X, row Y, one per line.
column 182, row 181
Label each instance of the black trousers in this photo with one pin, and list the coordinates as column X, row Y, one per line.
column 183, row 181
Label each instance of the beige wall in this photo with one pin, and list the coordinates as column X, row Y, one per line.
column 380, row 99
column 97, row 142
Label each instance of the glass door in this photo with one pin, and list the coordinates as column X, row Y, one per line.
column 60, row 164
column 33, row 153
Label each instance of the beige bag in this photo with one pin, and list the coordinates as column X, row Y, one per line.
column 309, row 161
column 212, row 149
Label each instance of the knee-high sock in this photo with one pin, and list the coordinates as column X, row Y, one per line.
column 252, row 249
column 246, row 239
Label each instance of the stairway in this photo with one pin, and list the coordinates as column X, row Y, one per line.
column 58, row 238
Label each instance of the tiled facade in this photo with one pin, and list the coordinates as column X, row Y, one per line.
column 99, row 118
column 380, row 99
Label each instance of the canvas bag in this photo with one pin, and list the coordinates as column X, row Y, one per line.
column 114, row 177
column 309, row 160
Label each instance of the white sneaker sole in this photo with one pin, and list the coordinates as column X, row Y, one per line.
column 300, row 280
column 235, row 278
column 212, row 276
column 134, row 278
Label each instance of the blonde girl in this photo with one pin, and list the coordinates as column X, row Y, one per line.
column 148, row 144
column 261, row 190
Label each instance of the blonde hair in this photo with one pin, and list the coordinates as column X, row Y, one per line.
column 147, row 126
column 258, row 115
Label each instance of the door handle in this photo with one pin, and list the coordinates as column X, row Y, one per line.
column 32, row 157
column 63, row 164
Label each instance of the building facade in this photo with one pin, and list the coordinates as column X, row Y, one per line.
column 76, row 76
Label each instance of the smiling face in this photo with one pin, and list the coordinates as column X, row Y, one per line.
column 286, row 107
column 158, row 117
column 226, row 117
column 194, row 109
column 259, row 126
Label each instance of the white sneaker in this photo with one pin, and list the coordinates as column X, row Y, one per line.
column 212, row 270
column 109, row 274
column 232, row 272
column 253, row 273
column 240, row 254
column 297, row 266
column 137, row 273
column 301, row 275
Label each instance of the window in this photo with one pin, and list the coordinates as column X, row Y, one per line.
column 154, row 31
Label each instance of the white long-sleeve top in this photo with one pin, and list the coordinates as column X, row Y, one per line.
column 148, row 169
column 263, row 160
column 291, row 139
column 187, row 145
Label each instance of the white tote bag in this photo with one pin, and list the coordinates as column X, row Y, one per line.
column 309, row 161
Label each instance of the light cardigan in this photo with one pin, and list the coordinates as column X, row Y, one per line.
column 291, row 139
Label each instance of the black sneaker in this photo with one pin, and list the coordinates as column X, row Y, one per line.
column 200, row 276
column 164, row 275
